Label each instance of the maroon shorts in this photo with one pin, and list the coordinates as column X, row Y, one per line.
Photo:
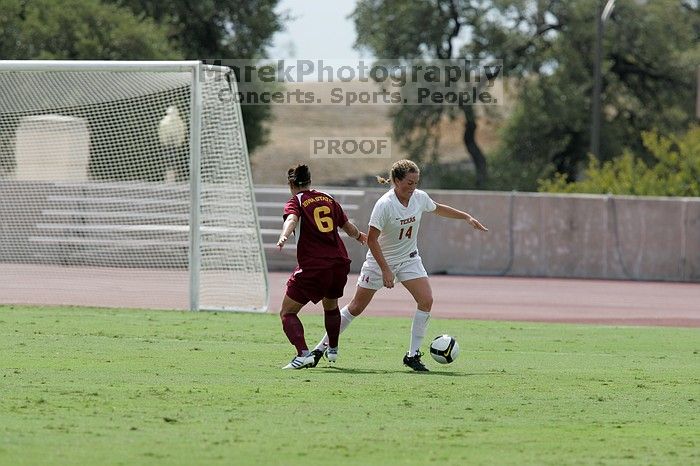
column 315, row 284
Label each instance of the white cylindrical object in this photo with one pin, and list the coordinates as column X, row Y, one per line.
column 52, row 148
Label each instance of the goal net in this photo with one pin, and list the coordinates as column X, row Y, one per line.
column 126, row 184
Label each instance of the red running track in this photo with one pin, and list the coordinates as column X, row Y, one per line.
column 607, row 302
column 458, row 297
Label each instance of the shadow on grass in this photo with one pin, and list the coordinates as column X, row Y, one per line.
column 349, row 370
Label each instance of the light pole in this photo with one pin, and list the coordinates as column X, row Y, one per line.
column 597, row 78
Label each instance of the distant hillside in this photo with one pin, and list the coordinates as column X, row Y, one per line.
column 294, row 125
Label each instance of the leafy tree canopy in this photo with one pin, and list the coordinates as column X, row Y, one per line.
column 651, row 51
column 394, row 29
column 214, row 29
column 650, row 56
column 79, row 29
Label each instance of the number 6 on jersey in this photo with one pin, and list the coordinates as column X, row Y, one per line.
column 324, row 224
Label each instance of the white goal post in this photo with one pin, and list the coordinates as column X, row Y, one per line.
column 126, row 184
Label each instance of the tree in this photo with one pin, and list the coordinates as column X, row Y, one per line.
column 421, row 30
column 219, row 30
column 675, row 171
column 650, row 57
column 651, row 53
column 78, row 29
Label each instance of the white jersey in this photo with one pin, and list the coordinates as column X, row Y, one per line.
column 399, row 225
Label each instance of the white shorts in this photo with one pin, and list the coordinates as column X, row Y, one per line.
column 371, row 275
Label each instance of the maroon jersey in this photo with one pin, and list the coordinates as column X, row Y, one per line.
column 318, row 243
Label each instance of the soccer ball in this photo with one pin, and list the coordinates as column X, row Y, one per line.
column 444, row 349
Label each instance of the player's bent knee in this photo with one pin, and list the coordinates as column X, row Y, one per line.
column 425, row 305
column 288, row 310
column 356, row 307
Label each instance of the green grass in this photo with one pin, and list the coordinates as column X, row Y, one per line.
column 94, row 386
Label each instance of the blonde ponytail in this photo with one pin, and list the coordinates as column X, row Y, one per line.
column 399, row 170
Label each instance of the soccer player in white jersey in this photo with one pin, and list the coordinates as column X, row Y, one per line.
column 393, row 254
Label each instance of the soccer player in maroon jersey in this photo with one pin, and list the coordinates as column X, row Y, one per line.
column 323, row 263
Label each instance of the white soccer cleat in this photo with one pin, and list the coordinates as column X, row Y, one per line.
column 300, row 362
column 332, row 354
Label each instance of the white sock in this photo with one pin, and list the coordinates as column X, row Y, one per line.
column 345, row 319
column 420, row 323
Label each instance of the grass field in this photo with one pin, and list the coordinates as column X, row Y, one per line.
column 93, row 386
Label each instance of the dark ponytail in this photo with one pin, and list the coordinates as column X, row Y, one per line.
column 299, row 176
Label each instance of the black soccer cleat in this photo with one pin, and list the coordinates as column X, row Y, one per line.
column 317, row 354
column 414, row 362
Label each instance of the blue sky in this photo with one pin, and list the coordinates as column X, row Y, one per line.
column 318, row 29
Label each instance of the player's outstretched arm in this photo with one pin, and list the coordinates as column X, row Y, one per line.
column 289, row 225
column 354, row 232
column 450, row 212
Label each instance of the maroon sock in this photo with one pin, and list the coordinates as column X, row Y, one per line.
column 295, row 332
column 332, row 322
